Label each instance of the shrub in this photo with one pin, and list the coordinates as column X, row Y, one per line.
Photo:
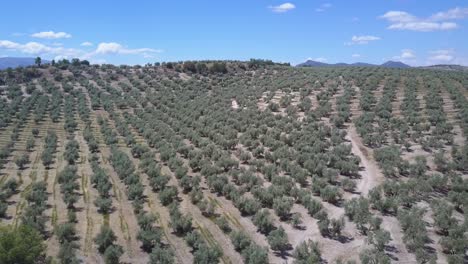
column 240, row 241
column 307, row 252
column 65, row 232
column 67, row 253
column 296, row 220
column 357, row 210
column 113, row 254
column 104, row 204
column 161, row 256
column 71, row 151
column 263, row 221
column 23, row 245
column 30, row 144
column 105, row 238
column 379, row 239
column 370, row 256
column 207, row 255
column 168, row 195
column 278, row 240
column 21, row 161
column 149, row 238
column 223, row 224
column 282, row 206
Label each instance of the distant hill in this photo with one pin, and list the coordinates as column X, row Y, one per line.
column 311, row 63
column 395, row 64
column 388, row 64
column 446, row 67
column 14, row 62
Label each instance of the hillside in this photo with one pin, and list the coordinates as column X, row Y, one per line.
column 233, row 162
column 388, row 64
column 447, row 67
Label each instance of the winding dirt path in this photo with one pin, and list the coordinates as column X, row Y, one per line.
column 371, row 176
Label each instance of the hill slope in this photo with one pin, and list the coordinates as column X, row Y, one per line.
column 388, row 64
column 232, row 162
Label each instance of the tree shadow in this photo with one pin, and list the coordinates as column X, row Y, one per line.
column 300, row 227
column 284, row 254
column 344, row 239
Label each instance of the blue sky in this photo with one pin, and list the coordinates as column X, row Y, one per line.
column 136, row 32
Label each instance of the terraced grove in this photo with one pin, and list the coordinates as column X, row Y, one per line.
column 232, row 162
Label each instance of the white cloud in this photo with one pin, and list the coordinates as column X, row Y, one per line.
column 6, row 44
column 29, row 48
column 282, row 8
column 319, row 59
column 441, row 56
column 35, row 48
column 356, row 55
column 407, row 56
column 51, row 35
column 455, row 13
column 323, row 7
column 60, row 52
column 401, row 20
column 361, row 40
column 398, row 16
column 116, row 48
column 424, row 26
column 86, row 44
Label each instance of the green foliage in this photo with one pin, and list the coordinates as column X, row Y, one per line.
column 207, row 255
column 415, row 233
column 181, row 224
column 379, row 239
column 240, row 241
column 278, row 240
column 161, row 256
column 68, row 185
column 23, row 244
column 282, row 207
column 113, row 254
column 370, row 256
column 65, row 232
column 357, row 210
column 255, row 254
column 263, row 221
column 47, row 155
column 71, row 151
column 30, row 144
column 307, row 252
column 149, row 238
column 105, row 238
column 223, row 224
column 168, row 195
column 67, row 253
column 22, row 160
column 247, row 206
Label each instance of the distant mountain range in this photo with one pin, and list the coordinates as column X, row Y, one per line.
column 447, row 67
column 13, row 62
column 388, row 64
